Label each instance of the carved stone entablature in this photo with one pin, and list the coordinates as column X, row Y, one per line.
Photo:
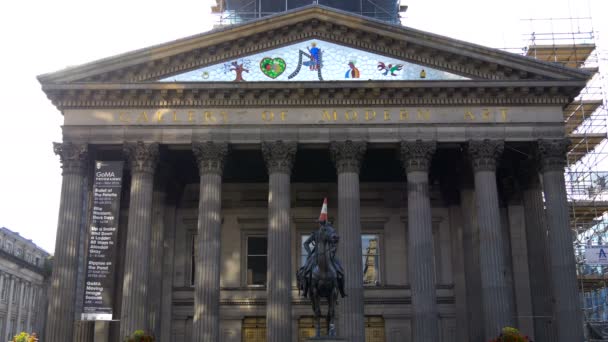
column 417, row 155
column 142, row 157
column 279, row 156
column 552, row 154
column 484, row 154
column 73, row 157
column 348, row 155
column 210, row 156
column 310, row 93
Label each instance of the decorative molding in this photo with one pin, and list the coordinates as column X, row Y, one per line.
column 141, row 157
column 413, row 93
column 552, row 154
column 347, row 155
column 279, row 156
column 417, row 155
column 73, row 157
column 484, row 154
column 210, row 156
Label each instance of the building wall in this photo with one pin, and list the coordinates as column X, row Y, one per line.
column 22, row 274
column 384, row 212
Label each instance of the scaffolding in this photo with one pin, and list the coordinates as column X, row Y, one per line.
column 572, row 42
column 230, row 12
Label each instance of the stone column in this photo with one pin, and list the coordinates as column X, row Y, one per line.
column 29, row 307
column 20, row 300
column 156, row 253
column 9, row 310
column 347, row 157
column 279, row 157
column 567, row 306
column 60, row 322
column 538, row 254
column 416, row 157
column 206, row 321
column 497, row 297
column 142, row 159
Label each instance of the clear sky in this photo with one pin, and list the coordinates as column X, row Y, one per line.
column 44, row 36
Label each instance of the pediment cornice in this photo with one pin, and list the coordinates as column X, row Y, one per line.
column 270, row 94
column 314, row 22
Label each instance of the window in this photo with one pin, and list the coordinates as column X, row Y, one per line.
column 256, row 260
column 370, row 244
column 19, row 252
column 193, row 259
column 16, row 292
column 37, row 263
column 9, row 247
column 4, row 288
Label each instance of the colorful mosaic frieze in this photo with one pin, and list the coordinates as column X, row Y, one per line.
column 313, row 60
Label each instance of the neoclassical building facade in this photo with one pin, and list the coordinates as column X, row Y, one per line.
column 23, row 285
column 442, row 162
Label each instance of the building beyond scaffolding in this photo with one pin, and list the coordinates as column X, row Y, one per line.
column 572, row 42
column 240, row 11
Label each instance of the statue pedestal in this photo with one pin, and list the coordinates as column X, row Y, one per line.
column 326, row 339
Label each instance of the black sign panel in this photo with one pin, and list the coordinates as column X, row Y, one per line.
column 99, row 282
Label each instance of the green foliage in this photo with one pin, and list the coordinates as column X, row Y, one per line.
column 140, row 336
column 510, row 335
column 22, row 337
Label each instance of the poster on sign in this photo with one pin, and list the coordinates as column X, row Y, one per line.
column 596, row 255
column 99, row 281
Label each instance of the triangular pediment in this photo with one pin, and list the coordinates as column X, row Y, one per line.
column 313, row 60
column 342, row 38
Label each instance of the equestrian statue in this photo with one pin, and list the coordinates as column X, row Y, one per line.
column 322, row 275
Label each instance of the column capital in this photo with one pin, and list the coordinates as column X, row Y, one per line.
column 279, row 156
column 210, row 156
column 417, row 155
column 552, row 154
column 484, row 154
column 73, row 156
column 348, row 155
column 142, row 157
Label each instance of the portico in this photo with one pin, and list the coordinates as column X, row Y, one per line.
column 424, row 181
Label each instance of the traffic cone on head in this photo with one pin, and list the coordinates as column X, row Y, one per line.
column 323, row 216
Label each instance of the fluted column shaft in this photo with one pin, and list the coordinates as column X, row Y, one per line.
column 416, row 157
column 60, row 322
column 495, row 291
column 142, row 159
column 29, row 307
column 347, row 157
column 20, row 303
column 156, row 261
column 538, row 263
column 567, row 307
column 206, row 321
column 9, row 310
column 279, row 157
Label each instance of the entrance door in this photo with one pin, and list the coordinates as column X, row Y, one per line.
column 254, row 329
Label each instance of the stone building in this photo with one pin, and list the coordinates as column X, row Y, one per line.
column 434, row 153
column 23, row 285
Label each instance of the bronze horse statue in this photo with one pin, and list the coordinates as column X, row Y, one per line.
column 322, row 275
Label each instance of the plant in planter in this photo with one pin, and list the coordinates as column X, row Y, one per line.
column 509, row 334
column 140, row 336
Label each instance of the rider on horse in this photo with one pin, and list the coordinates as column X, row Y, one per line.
column 305, row 272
